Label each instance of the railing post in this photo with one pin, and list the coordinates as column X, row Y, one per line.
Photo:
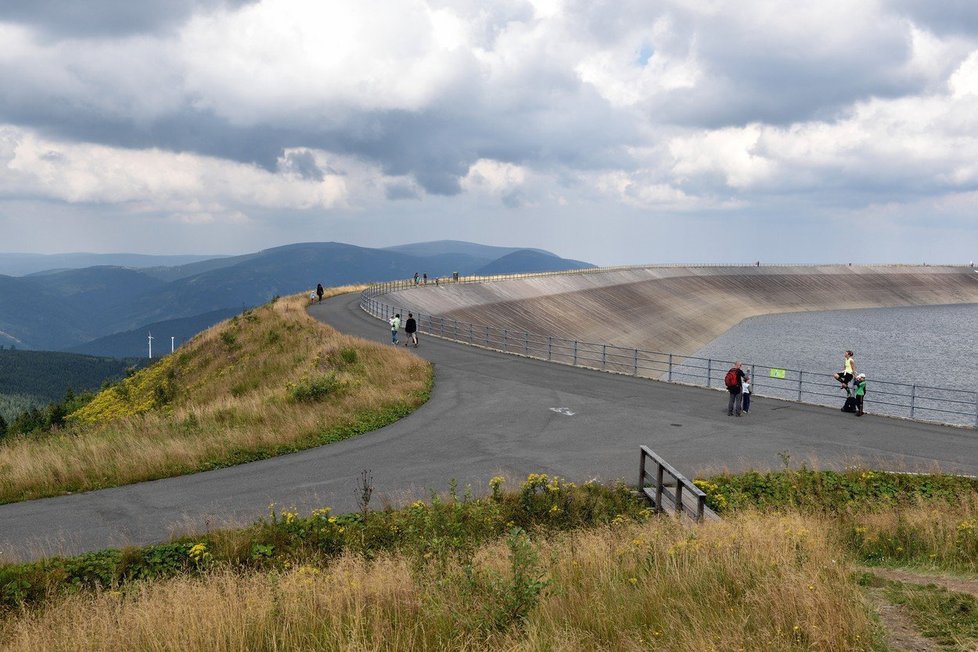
column 456, row 329
column 604, row 356
column 679, row 497
column 550, row 348
column 635, row 361
column 700, row 508
column 487, row 336
column 641, row 472
column 526, row 343
column 505, row 340
column 441, row 323
column 709, row 370
column 913, row 399
column 658, row 487
column 670, row 367
column 800, row 375
column 470, row 333
column 575, row 353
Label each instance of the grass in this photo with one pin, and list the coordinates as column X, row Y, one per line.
column 757, row 582
column 547, row 565
column 269, row 381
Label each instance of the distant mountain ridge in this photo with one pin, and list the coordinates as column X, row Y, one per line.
column 13, row 264
column 67, row 309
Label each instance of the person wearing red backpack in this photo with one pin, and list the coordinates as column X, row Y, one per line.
column 734, row 380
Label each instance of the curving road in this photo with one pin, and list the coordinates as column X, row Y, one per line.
column 489, row 414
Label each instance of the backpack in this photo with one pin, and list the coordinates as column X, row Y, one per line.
column 730, row 380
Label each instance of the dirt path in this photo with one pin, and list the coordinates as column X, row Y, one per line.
column 949, row 582
column 900, row 633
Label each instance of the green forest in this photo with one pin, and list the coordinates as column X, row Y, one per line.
column 35, row 378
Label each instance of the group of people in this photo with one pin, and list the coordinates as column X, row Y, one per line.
column 848, row 375
column 738, row 387
column 410, row 329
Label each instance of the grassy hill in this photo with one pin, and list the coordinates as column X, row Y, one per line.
column 237, row 392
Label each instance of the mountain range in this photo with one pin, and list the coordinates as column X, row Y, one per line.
column 109, row 309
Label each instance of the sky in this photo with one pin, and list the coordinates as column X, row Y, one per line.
column 620, row 132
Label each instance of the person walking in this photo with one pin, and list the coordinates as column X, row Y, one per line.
column 417, row 278
column 734, row 380
column 411, row 331
column 848, row 372
column 424, row 278
column 395, row 324
column 860, row 391
column 319, row 291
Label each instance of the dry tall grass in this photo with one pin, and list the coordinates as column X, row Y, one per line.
column 752, row 583
column 227, row 397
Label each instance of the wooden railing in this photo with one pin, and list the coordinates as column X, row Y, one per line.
column 673, row 492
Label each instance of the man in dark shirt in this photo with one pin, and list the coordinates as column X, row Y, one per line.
column 411, row 330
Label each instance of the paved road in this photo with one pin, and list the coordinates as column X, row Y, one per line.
column 489, row 413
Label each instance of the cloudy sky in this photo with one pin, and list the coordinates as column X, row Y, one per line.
column 616, row 132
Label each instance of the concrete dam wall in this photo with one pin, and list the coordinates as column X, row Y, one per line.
column 681, row 309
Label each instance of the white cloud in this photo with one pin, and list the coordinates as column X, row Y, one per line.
column 157, row 180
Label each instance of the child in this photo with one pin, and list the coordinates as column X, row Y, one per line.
column 860, row 393
column 746, row 393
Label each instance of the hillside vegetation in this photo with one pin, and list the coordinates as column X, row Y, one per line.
column 547, row 565
column 268, row 381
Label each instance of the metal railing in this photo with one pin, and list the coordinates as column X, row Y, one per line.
column 906, row 400
column 675, row 489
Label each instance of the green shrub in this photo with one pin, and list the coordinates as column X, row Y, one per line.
column 315, row 389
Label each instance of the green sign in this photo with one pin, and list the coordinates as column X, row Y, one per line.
column 777, row 373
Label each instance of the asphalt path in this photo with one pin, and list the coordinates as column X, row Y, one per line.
column 489, row 414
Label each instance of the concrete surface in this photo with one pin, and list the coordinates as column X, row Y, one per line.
column 681, row 309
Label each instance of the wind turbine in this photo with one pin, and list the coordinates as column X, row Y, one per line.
column 151, row 346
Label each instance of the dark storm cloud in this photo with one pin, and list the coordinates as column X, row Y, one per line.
column 303, row 164
column 945, row 17
column 98, row 18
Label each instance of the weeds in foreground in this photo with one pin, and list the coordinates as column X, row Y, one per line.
column 758, row 582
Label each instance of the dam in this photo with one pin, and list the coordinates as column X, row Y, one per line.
column 680, row 309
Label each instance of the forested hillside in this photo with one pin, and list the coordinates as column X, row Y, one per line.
column 32, row 378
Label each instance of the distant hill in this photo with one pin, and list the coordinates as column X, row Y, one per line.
column 530, row 260
column 487, row 253
column 134, row 344
column 112, row 307
column 23, row 264
column 32, row 378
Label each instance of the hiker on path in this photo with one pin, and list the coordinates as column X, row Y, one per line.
column 425, row 278
column 417, row 277
column 734, row 380
column 860, row 391
column 319, row 291
column 395, row 324
column 848, row 372
column 411, row 331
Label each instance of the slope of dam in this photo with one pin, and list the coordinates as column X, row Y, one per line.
column 681, row 309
